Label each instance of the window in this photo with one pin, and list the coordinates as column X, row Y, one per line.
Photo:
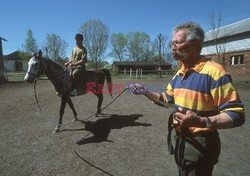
column 237, row 60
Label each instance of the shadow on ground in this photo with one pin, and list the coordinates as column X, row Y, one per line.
column 101, row 128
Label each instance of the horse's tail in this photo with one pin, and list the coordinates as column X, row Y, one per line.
column 109, row 80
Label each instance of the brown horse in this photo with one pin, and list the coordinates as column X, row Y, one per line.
column 60, row 78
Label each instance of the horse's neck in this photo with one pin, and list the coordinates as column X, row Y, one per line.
column 52, row 71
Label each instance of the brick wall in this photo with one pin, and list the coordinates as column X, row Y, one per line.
column 240, row 71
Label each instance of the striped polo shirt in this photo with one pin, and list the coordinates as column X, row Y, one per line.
column 206, row 89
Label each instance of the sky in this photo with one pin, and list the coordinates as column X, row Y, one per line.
column 64, row 17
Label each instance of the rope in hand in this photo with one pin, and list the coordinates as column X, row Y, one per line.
column 107, row 104
column 96, row 167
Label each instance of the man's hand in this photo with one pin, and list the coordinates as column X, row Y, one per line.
column 189, row 119
column 137, row 89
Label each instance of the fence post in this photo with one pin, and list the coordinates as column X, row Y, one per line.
column 125, row 71
column 131, row 73
column 141, row 73
column 136, row 73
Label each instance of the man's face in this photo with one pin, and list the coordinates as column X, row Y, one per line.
column 181, row 49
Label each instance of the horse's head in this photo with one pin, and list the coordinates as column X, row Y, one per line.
column 34, row 67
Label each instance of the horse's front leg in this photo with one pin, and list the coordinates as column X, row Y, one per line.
column 69, row 101
column 62, row 108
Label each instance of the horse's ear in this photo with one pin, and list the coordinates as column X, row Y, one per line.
column 39, row 53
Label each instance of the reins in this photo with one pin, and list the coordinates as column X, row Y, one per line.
column 37, row 102
column 39, row 72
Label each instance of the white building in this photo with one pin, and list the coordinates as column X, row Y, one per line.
column 14, row 62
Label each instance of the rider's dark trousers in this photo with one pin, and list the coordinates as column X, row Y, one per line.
column 77, row 75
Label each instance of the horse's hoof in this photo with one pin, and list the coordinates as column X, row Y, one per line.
column 96, row 115
column 75, row 119
column 56, row 130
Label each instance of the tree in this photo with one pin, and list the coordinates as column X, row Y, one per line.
column 139, row 46
column 95, row 39
column 30, row 45
column 215, row 22
column 118, row 45
column 55, row 47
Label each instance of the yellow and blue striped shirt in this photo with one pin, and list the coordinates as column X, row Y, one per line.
column 206, row 89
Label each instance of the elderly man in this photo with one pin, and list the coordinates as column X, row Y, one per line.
column 205, row 99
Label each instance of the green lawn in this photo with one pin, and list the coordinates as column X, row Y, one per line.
column 14, row 76
column 17, row 76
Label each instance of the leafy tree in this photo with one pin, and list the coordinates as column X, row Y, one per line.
column 30, row 45
column 139, row 44
column 55, row 47
column 118, row 45
column 95, row 39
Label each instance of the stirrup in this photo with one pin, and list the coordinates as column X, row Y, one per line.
column 73, row 92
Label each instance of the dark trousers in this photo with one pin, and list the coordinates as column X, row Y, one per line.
column 196, row 155
column 77, row 77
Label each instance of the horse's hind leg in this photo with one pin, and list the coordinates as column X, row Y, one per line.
column 99, row 104
column 72, row 108
column 62, row 108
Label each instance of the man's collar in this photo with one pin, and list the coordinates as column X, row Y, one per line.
column 197, row 67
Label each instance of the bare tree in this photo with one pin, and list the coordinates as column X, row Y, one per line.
column 95, row 39
column 55, row 47
column 165, row 48
column 215, row 22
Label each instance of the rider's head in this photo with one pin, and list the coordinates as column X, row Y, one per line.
column 79, row 38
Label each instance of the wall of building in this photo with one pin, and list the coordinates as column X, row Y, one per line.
column 239, row 71
column 230, row 46
column 11, row 65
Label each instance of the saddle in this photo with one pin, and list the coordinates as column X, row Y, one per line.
column 77, row 82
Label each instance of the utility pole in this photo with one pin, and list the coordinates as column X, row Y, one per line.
column 2, row 77
column 160, row 40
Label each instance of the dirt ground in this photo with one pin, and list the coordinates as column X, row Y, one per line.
column 129, row 140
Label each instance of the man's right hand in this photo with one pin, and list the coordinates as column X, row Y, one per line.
column 137, row 89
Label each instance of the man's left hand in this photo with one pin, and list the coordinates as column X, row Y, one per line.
column 188, row 118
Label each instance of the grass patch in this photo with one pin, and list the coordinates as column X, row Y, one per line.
column 18, row 76
column 14, row 76
column 116, row 75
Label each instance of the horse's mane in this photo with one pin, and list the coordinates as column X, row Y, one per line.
column 51, row 62
column 53, row 70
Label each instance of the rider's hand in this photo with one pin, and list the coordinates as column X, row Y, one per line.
column 137, row 89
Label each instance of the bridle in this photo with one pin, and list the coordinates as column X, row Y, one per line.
column 36, row 78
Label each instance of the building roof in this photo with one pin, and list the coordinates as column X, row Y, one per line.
column 230, row 30
column 140, row 63
column 13, row 56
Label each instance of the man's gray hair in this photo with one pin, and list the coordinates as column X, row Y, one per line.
column 194, row 31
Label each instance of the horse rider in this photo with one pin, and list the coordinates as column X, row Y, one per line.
column 77, row 64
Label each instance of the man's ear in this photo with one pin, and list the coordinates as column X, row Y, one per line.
column 197, row 45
